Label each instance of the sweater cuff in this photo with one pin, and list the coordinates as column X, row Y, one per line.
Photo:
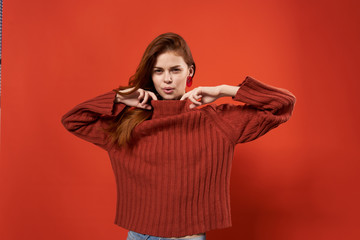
column 257, row 93
column 249, row 90
column 105, row 104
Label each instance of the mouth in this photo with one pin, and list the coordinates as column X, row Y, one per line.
column 168, row 90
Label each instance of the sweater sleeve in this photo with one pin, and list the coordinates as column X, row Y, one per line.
column 266, row 107
column 86, row 118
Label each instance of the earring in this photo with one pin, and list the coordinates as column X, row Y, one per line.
column 189, row 81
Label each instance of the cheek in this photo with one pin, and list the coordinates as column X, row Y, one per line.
column 182, row 79
column 156, row 81
column 180, row 84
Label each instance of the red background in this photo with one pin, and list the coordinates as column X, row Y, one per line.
column 299, row 181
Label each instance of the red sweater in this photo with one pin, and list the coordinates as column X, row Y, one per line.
column 176, row 180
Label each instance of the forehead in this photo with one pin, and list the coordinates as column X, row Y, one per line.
column 169, row 59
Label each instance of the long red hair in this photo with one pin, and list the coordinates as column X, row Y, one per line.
column 120, row 128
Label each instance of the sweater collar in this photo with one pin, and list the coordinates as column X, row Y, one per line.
column 163, row 108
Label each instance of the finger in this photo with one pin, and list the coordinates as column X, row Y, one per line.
column 143, row 106
column 146, row 97
column 141, row 94
column 194, row 100
column 198, row 96
column 153, row 96
column 193, row 93
column 148, row 107
column 184, row 96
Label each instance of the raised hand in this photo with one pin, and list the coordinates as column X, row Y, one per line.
column 139, row 98
column 202, row 95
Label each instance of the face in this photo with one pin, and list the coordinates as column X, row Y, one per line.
column 169, row 75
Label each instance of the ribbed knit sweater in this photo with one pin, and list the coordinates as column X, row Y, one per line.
column 175, row 181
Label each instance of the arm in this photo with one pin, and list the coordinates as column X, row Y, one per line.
column 86, row 118
column 228, row 91
column 266, row 107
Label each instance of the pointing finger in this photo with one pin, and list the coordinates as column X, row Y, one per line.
column 184, row 96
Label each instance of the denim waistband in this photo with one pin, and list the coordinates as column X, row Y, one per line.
column 138, row 236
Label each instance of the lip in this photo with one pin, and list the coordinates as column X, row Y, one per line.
column 168, row 90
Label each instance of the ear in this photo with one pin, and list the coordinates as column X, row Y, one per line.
column 191, row 70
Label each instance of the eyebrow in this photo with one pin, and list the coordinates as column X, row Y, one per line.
column 170, row 67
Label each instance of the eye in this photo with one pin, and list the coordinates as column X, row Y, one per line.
column 157, row 71
column 176, row 70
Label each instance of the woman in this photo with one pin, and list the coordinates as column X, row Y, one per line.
column 171, row 158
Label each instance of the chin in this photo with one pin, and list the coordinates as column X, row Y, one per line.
column 170, row 97
column 167, row 97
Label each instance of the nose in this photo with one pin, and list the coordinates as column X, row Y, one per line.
column 168, row 77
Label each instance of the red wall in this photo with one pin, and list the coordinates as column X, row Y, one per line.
column 299, row 181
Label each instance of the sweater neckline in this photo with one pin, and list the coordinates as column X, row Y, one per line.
column 163, row 108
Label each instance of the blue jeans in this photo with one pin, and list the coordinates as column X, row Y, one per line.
column 138, row 236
